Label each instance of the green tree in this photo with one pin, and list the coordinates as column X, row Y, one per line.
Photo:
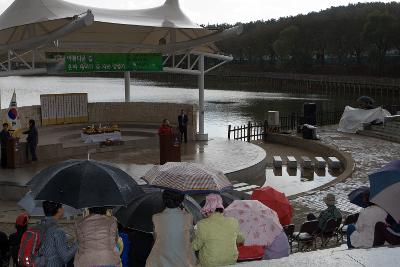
column 379, row 31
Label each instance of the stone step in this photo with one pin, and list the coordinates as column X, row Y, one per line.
column 291, row 162
column 386, row 130
column 277, row 162
column 334, row 163
column 380, row 135
column 306, row 162
column 320, row 163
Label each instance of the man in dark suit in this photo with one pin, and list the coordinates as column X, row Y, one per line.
column 32, row 140
column 4, row 137
column 183, row 121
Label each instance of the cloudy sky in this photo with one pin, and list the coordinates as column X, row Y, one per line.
column 220, row 11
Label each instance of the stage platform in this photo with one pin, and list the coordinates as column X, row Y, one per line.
column 240, row 161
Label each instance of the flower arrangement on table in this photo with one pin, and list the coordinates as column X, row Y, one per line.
column 92, row 129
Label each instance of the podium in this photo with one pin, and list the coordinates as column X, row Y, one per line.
column 12, row 153
column 170, row 149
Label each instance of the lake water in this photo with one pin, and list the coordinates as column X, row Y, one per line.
column 222, row 107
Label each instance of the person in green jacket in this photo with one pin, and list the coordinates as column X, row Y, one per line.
column 216, row 237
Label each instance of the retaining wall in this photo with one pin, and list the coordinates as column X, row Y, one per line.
column 119, row 112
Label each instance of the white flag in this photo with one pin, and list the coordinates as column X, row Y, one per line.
column 12, row 114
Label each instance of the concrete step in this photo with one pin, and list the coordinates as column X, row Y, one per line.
column 381, row 135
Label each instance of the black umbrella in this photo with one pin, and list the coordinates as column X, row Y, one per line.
column 84, row 184
column 357, row 196
column 138, row 214
column 366, row 99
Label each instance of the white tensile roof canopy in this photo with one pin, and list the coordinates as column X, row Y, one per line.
column 101, row 30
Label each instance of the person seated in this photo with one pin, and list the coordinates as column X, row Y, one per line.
column 216, row 236
column 97, row 236
column 311, row 217
column 165, row 128
column 21, row 225
column 361, row 235
column 389, row 232
column 126, row 245
column 56, row 250
column 141, row 246
column 331, row 212
column 4, row 250
column 172, row 228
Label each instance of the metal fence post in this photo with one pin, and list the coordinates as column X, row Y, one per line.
column 265, row 130
column 249, row 131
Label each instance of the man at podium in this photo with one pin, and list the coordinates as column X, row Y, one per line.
column 4, row 138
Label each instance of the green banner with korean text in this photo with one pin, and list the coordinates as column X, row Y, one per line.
column 108, row 62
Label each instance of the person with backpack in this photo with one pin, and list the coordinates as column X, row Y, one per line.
column 49, row 239
column 21, row 225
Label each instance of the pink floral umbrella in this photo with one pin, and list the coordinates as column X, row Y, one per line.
column 258, row 223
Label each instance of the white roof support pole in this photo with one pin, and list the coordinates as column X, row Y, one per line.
column 201, row 135
column 127, row 75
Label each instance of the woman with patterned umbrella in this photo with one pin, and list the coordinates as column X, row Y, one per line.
column 260, row 227
column 187, row 178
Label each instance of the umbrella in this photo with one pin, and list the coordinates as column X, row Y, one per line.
column 187, row 178
column 84, row 184
column 258, row 223
column 366, row 99
column 34, row 207
column 276, row 201
column 356, row 196
column 138, row 214
column 385, row 188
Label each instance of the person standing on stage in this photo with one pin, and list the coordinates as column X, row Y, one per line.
column 4, row 137
column 32, row 140
column 183, row 121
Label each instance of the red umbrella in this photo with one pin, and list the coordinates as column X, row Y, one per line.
column 276, row 201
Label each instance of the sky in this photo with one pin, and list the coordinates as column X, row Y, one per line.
column 222, row 11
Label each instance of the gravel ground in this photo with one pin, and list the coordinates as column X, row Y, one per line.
column 370, row 154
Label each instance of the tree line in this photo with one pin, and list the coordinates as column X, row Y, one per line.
column 361, row 38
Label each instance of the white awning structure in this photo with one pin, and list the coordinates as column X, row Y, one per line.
column 105, row 30
column 30, row 28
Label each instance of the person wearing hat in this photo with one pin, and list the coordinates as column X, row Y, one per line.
column 21, row 225
column 216, row 236
column 331, row 212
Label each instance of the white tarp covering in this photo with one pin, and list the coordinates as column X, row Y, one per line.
column 353, row 118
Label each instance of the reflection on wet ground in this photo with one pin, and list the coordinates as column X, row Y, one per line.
column 292, row 181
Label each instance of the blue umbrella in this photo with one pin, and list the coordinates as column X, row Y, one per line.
column 385, row 188
column 356, row 196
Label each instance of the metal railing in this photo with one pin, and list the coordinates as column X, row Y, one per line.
column 249, row 132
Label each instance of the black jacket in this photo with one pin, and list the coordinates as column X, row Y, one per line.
column 183, row 120
column 4, row 137
column 33, row 136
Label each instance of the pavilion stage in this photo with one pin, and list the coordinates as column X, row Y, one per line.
column 137, row 153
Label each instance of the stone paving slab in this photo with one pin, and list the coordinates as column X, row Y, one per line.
column 337, row 257
column 225, row 155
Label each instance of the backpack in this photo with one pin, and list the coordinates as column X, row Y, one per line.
column 29, row 254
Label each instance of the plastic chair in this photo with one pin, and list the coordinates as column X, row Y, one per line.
column 306, row 235
column 350, row 219
column 330, row 231
column 289, row 230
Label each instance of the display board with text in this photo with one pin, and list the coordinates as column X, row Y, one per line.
column 64, row 108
